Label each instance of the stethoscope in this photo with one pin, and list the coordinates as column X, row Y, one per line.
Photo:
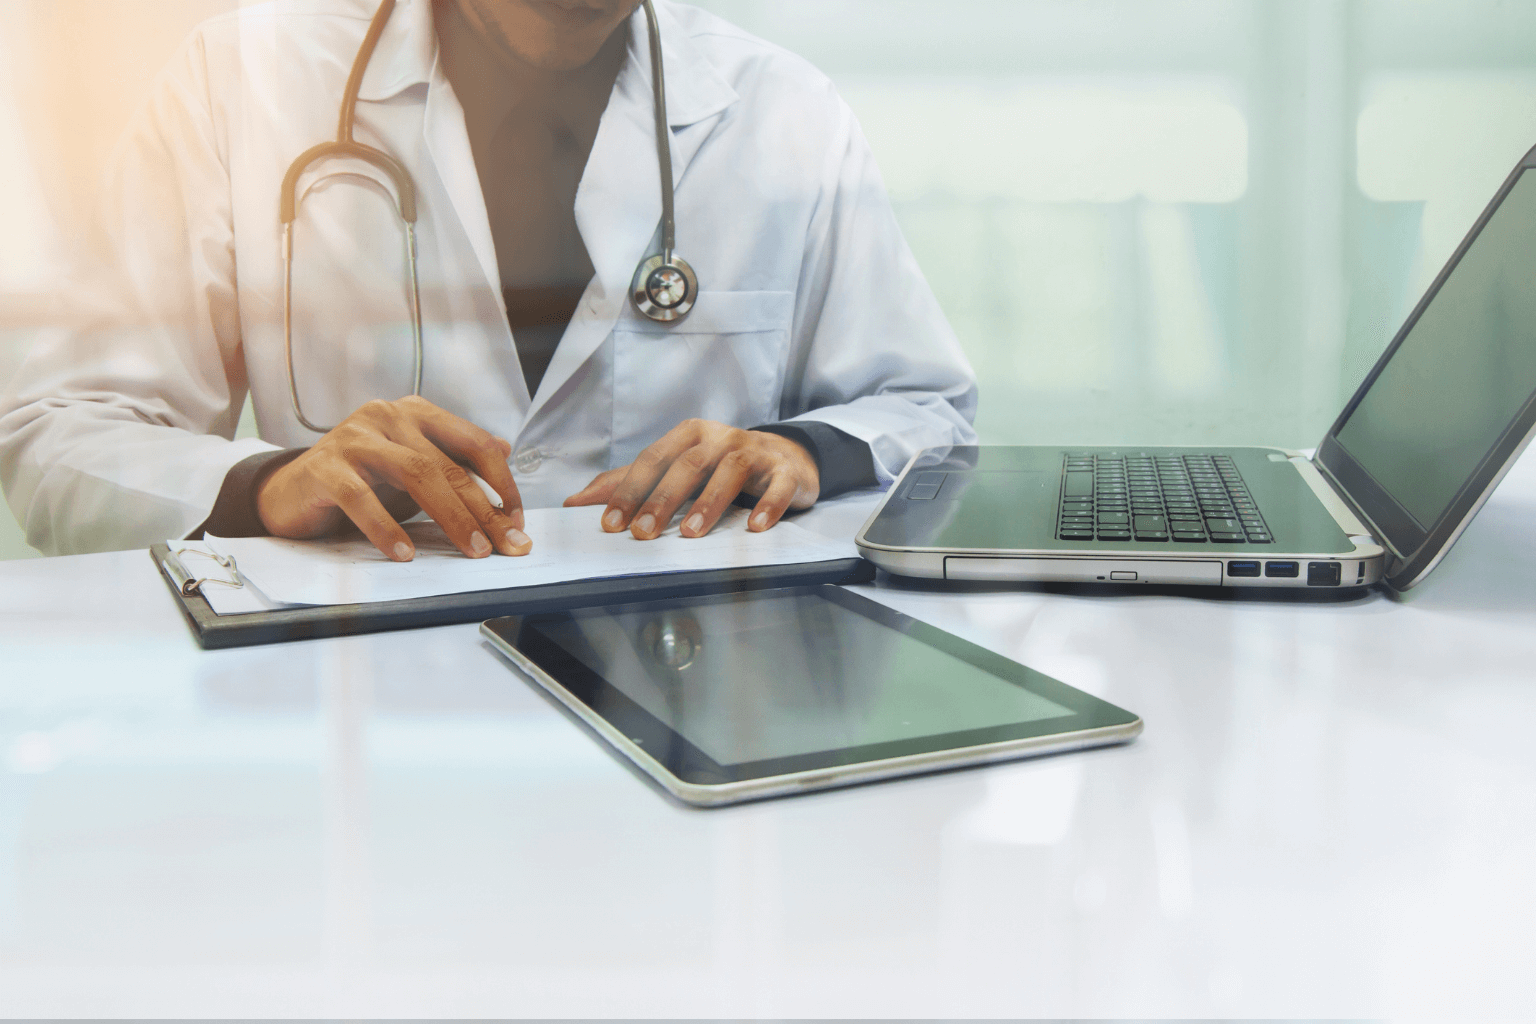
column 664, row 287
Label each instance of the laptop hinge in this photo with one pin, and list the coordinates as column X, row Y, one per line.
column 1336, row 499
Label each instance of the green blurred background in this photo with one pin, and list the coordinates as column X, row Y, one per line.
column 1175, row 220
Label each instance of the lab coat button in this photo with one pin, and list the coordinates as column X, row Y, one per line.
column 527, row 459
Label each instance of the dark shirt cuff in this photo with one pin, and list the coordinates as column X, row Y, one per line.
column 843, row 461
column 234, row 511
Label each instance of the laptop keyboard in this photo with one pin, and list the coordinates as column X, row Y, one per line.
column 1188, row 498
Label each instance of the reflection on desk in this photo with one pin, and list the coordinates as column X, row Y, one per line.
column 1332, row 813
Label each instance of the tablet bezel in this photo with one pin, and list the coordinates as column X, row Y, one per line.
column 696, row 778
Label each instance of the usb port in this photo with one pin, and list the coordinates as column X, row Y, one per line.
column 1289, row 570
column 1242, row 568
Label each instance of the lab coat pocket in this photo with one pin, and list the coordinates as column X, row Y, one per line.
column 725, row 361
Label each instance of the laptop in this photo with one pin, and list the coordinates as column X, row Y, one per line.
column 1410, row 460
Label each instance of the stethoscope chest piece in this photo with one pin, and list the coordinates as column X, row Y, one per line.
column 665, row 287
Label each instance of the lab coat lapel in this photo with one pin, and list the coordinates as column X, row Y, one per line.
column 448, row 145
column 404, row 55
column 407, row 56
column 618, row 203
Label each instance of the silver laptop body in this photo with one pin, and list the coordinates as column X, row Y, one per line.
column 1414, row 454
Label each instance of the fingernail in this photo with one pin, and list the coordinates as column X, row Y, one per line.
column 613, row 519
column 760, row 521
column 646, row 523
column 478, row 544
column 695, row 522
column 517, row 538
column 403, row 552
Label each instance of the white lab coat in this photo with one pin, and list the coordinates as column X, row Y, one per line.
column 117, row 432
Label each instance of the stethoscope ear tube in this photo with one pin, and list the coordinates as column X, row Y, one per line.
column 405, row 188
column 416, row 343
column 345, row 147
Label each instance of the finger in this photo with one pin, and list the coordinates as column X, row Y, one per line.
column 774, row 503
column 425, row 475
column 598, row 491
column 643, row 475
column 502, row 526
column 729, row 478
column 683, row 479
column 350, row 493
column 504, row 532
column 485, row 452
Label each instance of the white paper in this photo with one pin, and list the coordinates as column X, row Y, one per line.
column 568, row 545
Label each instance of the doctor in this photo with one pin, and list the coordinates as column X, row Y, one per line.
column 798, row 350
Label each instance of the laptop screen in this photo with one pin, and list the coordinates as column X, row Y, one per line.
column 1462, row 373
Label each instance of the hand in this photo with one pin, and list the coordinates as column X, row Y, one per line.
column 724, row 461
column 399, row 453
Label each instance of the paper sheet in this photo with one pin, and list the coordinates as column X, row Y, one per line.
column 568, row 545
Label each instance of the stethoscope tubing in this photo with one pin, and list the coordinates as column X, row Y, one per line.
column 642, row 290
column 416, row 343
column 663, row 134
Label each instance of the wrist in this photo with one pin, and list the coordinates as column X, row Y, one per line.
column 843, row 462
column 235, row 512
column 267, row 502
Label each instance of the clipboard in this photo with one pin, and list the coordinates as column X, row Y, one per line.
column 214, row 632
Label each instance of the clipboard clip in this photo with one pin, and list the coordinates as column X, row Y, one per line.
column 190, row 585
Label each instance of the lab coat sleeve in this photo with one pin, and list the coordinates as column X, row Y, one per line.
column 873, row 355
column 117, row 431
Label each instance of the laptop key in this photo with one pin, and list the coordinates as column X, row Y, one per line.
column 1191, row 499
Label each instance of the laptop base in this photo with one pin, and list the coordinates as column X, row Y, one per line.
column 995, row 514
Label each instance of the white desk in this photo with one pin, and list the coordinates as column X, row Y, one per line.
column 1332, row 813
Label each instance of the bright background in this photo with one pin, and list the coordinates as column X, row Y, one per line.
column 1176, row 221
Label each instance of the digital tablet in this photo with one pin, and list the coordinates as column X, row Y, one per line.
column 744, row 696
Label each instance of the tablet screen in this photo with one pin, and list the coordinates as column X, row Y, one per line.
column 781, row 680
column 774, row 677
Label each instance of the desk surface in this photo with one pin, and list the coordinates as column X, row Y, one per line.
column 1332, row 813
